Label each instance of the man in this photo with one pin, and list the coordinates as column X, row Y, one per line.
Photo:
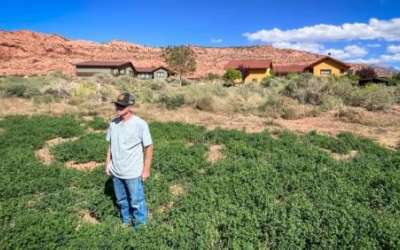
column 128, row 162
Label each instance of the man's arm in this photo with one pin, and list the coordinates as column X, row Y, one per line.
column 148, row 157
column 108, row 159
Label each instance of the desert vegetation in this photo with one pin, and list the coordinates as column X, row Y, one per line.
column 258, row 191
column 289, row 97
column 210, row 188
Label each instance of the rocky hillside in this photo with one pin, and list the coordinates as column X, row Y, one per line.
column 26, row 53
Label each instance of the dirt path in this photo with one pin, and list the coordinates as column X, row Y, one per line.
column 329, row 123
column 384, row 127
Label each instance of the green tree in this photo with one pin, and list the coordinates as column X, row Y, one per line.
column 180, row 59
column 232, row 75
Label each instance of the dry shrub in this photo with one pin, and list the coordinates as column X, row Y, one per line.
column 376, row 97
column 205, row 104
column 361, row 116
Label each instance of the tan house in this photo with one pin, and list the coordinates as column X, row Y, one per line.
column 114, row 68
column 252, row 70
column 118, row 68
column 325, row 66
column 152, row 72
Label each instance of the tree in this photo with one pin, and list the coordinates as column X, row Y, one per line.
column 366, row 73
column 232, row 75
column 180, row 59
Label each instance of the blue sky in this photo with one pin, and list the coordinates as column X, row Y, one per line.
column 358, row 30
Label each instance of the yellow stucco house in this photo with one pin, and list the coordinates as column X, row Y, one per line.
column 252, row 70
column 256, row 70
column 325, row 66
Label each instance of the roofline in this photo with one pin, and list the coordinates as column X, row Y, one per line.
column 154, row 69
column 241, row 65
column 103, row 66
column 330, row 58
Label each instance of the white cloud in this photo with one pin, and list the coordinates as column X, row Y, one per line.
column 393, row 49
column 355, row 50
column 350, row 51
column 382, row 59
column 388, row 30
column 217, row 40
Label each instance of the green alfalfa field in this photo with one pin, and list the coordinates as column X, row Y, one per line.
column 284, row 191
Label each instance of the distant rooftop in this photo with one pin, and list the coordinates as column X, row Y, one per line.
column 103, row 63
column 249, row 64
column 289, row 68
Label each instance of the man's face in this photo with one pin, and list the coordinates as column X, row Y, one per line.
column 121, row 110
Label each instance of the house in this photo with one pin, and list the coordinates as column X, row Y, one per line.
column 324, row 66
column 152, row 72
column 284, row 69
column 252, row 70
column 114, row 68
column 327, row 66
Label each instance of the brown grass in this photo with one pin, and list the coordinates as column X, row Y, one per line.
column 215, row 153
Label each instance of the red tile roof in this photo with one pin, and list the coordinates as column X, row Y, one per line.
column 249, row 64
column 289, row 68
column 103, row 63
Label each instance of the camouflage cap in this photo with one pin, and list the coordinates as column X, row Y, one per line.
column 125, row 99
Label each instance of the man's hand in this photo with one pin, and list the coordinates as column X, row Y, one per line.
column 108, row 161
column 145, row 174
column 148, row 156
column 107, row 171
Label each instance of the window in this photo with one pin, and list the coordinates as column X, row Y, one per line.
column 145, row 76
column 325, row 72
column 160, row 74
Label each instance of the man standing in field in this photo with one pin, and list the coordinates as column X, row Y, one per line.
column 128, row 162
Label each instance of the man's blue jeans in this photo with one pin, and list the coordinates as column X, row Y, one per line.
column 130, row 199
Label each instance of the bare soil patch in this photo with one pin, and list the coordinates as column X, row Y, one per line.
column 165, row 207
column 91, row 130
column 44, row 154
column 329, row 123
column 342, row 157
column 215, row 153
column 89, row 217
column 82, row 166
column 176, row 190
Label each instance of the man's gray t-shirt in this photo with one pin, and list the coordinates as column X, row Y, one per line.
column 127, row 140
